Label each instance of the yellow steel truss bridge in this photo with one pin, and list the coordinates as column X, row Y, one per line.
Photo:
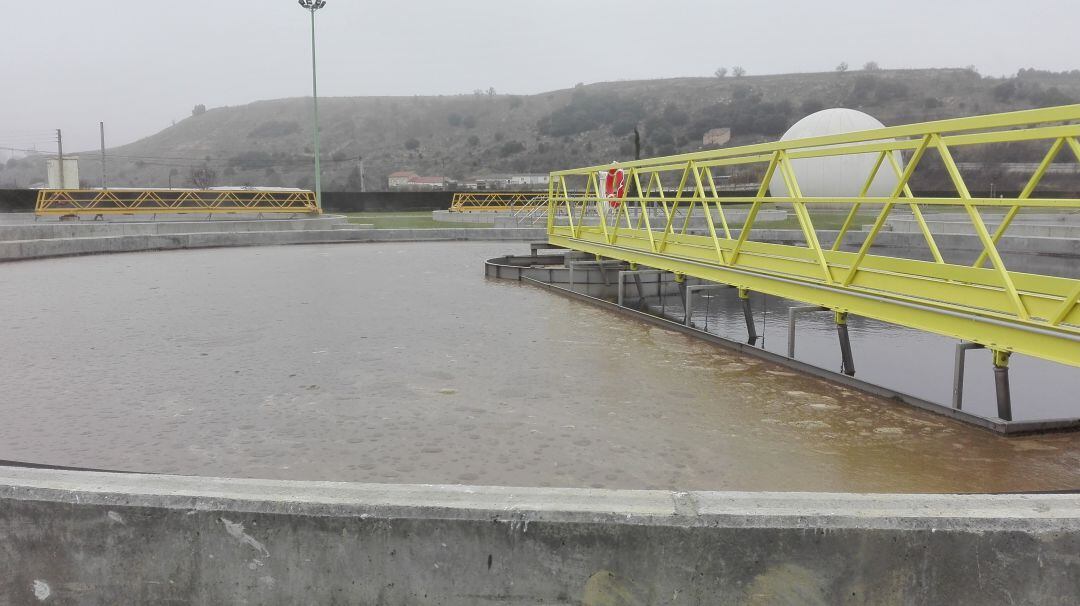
column 983, row 303
column 497, row 201
column 161, row 201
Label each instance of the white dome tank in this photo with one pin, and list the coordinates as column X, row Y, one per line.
column 836, row 176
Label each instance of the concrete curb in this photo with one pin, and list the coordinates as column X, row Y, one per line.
column 983, row 512
column 89, row 537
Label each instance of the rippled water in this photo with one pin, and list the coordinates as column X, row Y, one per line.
column 906, row 360
column 402, row 363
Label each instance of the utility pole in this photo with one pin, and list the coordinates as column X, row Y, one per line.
column 361, row 173
column 60, row 155
column 104, row 177
column 312, row 6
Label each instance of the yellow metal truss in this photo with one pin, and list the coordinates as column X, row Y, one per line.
column 159, row 201
column 496, row 201
column 1004, row 310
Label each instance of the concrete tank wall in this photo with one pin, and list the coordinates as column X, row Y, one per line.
column 95, row 538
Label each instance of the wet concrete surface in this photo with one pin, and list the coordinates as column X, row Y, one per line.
column 402, row 363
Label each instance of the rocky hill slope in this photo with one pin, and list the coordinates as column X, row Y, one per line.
column 465, row 136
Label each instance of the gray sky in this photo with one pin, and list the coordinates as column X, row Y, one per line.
column 139, row 65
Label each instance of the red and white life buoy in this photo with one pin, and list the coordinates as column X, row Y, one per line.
column 615, row 186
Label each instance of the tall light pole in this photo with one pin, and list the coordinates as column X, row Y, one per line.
column 312, row 6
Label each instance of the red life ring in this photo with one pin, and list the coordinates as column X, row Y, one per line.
column 615, row 186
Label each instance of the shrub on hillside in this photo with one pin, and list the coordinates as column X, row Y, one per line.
column 510, row 148
column 746, row 114
column 587, row 112
column 274, row 128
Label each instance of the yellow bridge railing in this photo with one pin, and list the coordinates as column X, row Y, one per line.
column 496, row 201
column 159, row 201
column 984, row 302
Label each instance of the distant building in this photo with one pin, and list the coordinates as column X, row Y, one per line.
column 423, row 183
column 407, row 180
column 399, row 179
column 716, row 137
column 512, row 182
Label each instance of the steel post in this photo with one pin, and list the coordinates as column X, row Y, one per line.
column 1001, row 384
column 847, row 361
column 958, row 372
column 791, row 314
column 315, row 112
column 748, row 315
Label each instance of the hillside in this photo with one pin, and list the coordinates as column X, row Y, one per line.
column 465, row 136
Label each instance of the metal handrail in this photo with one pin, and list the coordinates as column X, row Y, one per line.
column 165, row 201
column 1001, row 309
column 496, row 201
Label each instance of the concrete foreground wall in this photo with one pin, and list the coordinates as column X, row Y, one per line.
column 95, row 538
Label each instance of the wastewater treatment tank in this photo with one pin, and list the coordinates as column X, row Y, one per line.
column 401, row 363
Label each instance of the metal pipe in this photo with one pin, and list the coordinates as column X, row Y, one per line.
column 847, row 361
column 688, row 307
column 1001, row 384
column 315, row 110
column 60, row 157
column 791, row 313
column 958, row 372
column 748, row 315
column 104, row 174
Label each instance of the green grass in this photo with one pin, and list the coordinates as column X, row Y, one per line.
column 413, row 219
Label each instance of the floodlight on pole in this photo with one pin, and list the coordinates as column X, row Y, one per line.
column 312, row 6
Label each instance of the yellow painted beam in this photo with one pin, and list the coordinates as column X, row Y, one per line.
column 1004, row 310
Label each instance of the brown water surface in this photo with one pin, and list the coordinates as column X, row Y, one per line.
column 402, row 363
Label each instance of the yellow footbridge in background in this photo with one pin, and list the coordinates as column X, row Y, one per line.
column 497, row 201
column 984, row 303
column 164, row 201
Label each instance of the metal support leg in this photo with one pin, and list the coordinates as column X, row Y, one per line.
column 636, row 275
column 847, row 361
column 1001, row 383
column 640, row 290
column 748, row 314
column 690, row 290
column 599, row 264
column 958, row 373
column 791, row 313
column 688, row 306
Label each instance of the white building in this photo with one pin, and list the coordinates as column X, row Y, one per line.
column 513, row 182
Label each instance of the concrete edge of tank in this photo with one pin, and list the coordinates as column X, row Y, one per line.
column 19, row 250
column 1016, row 511
column 91, row 537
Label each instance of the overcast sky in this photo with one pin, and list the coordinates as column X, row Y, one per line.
column 139, row 65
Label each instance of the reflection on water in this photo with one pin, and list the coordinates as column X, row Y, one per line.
column 401, row 363
column 906, row 360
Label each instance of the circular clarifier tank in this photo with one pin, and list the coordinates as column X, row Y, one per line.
column 400, row 362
